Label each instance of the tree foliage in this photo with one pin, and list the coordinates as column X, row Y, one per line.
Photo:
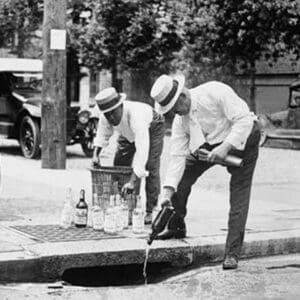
column 255, row 29
column 19, row 21
column 209, row 39
column 235, row 34
column 152, row 38
column 126, row 34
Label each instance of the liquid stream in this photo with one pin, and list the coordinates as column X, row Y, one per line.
column 145, row 263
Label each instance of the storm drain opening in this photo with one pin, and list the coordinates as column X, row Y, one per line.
column 118, row 275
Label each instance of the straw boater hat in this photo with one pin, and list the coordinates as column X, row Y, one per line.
column 109, row 99
column 166, row 90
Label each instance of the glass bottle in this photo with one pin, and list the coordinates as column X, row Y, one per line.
column 68, row 211
column 160, row 222
column 118, row 212
column 138, row 217
column 110, row 217
column 131, row 202
column 97, row 214
column 106, row 192
column 124, row 213
column 81, row 212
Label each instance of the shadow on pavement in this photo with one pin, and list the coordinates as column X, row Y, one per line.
column 16, row 151
column 12, row 150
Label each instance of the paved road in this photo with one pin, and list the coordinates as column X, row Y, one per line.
column 276, row 187
column 265, row 278
column 274, row 204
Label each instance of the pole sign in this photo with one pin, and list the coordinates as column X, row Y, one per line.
column 58, row 39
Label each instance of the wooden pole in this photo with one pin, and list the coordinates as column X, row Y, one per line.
column 53, row 124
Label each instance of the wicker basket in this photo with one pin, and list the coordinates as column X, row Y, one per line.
column 104, row 182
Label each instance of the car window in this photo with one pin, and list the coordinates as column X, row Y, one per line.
column 27, row 81
column 5, row 83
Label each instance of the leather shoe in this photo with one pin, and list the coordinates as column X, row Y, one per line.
column 230, row 263
column 171, row 233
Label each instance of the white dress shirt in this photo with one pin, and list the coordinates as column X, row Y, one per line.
column 217, row 114
column 134, row 126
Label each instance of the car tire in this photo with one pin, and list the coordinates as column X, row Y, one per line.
column 88, row 143
column 30, row 137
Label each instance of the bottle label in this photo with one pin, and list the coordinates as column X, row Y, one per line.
column 119, row 220
column 110, row 223
column 81, row 216
column 125, row 217
column 138, row 222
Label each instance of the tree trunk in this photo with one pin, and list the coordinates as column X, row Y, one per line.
column 252, row 103
column 21, row 44
column 114, row 77
column 137, row 85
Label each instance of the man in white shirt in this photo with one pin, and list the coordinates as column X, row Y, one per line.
column 140, row 143
column 212, row 117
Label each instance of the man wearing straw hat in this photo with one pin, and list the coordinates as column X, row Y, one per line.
column 140, row 142
column 213, row 117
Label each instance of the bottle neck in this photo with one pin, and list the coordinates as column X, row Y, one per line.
column 82, row 195
column 69, row 198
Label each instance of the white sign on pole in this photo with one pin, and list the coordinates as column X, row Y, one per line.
column 58, row 39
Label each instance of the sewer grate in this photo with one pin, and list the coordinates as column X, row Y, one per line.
column 55, row 233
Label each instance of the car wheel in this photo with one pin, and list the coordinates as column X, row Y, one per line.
column 30, row 137
column 87, row 144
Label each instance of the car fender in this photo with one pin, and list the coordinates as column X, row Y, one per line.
column 33, row 110
column 265, row 126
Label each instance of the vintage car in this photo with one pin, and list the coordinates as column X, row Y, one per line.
column 20, row 109
column 284, row 126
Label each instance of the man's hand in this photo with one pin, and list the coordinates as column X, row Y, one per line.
column 96, row 161
column 128, row 187
column 219, row 153
column 201, row 154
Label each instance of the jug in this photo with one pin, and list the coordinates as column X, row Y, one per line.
column 160, row 222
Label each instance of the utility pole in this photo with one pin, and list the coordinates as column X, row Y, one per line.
column 54, row 107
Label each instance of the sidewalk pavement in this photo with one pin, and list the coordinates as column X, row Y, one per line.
column 30, row 195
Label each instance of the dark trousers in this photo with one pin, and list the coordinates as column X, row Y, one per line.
column 126, row 151
column 240, row 188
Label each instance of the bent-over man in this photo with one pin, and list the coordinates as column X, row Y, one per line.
column 213, row 117
column 140, row 141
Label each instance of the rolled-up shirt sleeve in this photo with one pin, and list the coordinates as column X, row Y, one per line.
column 237, row 111
column 179, row 150
column 104, row 132
column 140, row 124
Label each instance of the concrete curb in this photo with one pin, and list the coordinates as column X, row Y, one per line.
column 48, row 261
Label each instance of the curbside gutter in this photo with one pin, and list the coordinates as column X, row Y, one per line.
column 44, row 262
